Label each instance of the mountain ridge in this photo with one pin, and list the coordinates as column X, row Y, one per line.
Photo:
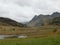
column 41, row 19
column 9, row 22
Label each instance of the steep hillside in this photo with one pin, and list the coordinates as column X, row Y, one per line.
column 9, row 22
column 42, row 19
column 55, row 21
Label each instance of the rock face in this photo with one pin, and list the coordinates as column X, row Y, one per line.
column 42, row 19
column 9, row 22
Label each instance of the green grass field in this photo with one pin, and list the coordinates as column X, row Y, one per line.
column 44, row 35
column 55, row 40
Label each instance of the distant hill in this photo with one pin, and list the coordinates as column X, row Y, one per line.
column 9, row 22
column 42, row 19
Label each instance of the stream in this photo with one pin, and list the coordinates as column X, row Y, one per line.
column 12, row 36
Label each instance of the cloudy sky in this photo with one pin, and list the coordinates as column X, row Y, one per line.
column 24, row 10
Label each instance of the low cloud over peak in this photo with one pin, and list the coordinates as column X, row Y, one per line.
column 24, row 10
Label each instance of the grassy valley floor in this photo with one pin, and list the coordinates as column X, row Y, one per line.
column 42, row 31
column 53, row 40
column 44, row 35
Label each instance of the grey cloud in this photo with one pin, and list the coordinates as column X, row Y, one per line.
column 24, row 10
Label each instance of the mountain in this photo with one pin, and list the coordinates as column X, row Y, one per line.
column 9, row 22
column 42, row 19
column 55, row 21
column 55, row 14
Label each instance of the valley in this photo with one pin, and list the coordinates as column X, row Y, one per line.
column 41, row 30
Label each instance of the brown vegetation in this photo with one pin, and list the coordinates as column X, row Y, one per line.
column 31, row 32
